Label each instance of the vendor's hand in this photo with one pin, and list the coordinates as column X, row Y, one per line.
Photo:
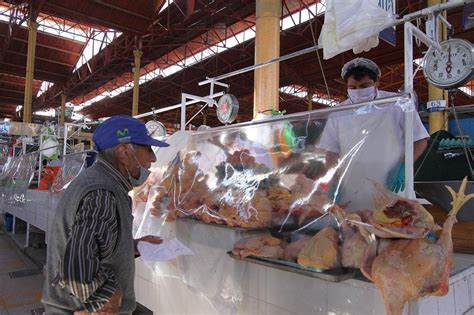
column 150, row 239
column 313, row 169
column 396, row 178
column 111, row 307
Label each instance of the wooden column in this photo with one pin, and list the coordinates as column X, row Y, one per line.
column 267, row 47
column 436, row 120
column 30, row 69
column 136, row 76
column 63, row 109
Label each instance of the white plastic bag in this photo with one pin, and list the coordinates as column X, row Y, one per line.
column 352, row 24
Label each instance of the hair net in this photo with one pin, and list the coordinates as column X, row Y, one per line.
column 360, row 62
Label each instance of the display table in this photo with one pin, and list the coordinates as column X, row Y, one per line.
column 37, row 209
column 211, row 282
column 211, row 276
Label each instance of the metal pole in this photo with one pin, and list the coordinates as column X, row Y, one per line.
column 409, row 186
column 183, row 111
column 66, row 126
column 165, row 109
column 381, row 102
column 260, row 65
column 406, row 18
column 40, row 155
column 184, row 96
column 27, row 240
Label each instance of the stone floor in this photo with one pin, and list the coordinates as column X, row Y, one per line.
column 21, row 277
column 21, row 281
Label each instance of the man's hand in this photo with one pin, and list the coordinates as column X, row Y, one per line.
column 150, row 239
column 111, row 307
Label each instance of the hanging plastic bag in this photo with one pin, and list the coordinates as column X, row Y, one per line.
column 352, row 24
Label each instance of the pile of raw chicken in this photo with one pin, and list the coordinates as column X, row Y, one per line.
column 239, row 200
column 398, row 247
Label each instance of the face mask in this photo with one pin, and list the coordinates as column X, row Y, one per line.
column 144, row 173
column 362, row 95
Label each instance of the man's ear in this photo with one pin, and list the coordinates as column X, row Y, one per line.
column 122, row 153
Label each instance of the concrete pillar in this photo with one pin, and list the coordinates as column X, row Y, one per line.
column 136, row 75
column 63, row 109
column 267, row 47
column 30, row 69
column 437, row 120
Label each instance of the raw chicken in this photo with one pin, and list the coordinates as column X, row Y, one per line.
column 407, row 269
column 397, row 217
column 354, row 242
column 306, row 201
column 293, row 249
column 322, row 250
column 261, row 246
column 353, row 250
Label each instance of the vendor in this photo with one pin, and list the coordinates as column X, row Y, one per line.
column 367, row 143
column 90, row 263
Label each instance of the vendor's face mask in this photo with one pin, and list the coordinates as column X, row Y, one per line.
column 144, row 173
column 362, row 95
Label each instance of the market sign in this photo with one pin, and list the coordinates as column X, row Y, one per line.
column 389, row 34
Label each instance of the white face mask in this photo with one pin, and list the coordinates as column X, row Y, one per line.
column 144, row 173
column 362, row 95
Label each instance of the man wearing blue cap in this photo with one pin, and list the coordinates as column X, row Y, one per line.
column 90, row 264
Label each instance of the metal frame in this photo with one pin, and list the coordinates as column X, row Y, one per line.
column 410, row 31
column 66, row 136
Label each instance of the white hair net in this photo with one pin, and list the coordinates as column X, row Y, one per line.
column 360, row 62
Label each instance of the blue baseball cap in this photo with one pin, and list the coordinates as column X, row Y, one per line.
column 123, row 129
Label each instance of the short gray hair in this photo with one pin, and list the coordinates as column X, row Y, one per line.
column 109, row 154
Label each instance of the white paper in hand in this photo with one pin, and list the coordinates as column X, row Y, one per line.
column 167, row 250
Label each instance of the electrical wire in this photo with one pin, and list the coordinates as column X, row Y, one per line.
column 319, row 59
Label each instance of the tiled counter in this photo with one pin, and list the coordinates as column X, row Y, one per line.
column 37, row 208
column 272, row 291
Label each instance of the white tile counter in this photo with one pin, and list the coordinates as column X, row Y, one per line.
column 37, row 210
column 272, row 291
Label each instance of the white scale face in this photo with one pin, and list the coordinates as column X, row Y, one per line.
column 227, row 108
column 452, row 66
column 155, row 128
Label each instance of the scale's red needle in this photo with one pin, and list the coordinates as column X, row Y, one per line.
column 448, row 64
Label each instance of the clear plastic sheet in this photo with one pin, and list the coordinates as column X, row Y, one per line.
column 71, row 165
column 343, row 30
column 16, row 178
column 287, row 177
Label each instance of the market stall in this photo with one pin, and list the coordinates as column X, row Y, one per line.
column 289, row 214
column 247, row 200
column 35, row 173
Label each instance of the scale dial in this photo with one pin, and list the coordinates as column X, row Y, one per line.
column 227, row 108
column 155, row 129
column 451, row 67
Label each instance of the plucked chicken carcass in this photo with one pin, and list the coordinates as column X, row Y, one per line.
column 262, row 246
column 355, row 241
column 407, row 269
column 397, row 217
column 306, row 202
column 322, row 251
column 293, row 249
